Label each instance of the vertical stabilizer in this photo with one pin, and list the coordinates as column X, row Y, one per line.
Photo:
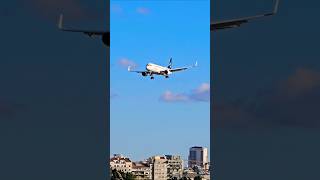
column 170, row 64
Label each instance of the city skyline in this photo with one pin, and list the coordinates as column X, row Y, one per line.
column 162, row 167
column 185, row 160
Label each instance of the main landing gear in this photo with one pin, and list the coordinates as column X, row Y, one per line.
column 152, row 77
column 167, row 76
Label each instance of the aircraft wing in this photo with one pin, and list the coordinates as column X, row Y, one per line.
column 139, row 71
column 87, row 32
column 129, row 69
column 178, row 69
column 183, row 68
column 238, row 22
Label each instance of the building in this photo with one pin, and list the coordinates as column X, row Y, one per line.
column 158, row 167
column 174, row 166
column 189, row 173
column 120, row 163
column 141, row 170
column 198, row 156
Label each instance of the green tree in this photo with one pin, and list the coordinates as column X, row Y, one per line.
column 120, row 175
column 129, row 176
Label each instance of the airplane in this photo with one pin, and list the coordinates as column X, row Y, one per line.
column 105, row 35
column 233, row 23
column 154, row 69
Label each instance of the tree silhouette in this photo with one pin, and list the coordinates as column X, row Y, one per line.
column 120, row 175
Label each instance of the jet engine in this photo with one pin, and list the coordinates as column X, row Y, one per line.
column 144, row 74
column 167, row 72
column 106, row 39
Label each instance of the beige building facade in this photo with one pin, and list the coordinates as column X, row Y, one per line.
column 120, row 163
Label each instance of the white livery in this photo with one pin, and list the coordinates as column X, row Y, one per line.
column 154, row 69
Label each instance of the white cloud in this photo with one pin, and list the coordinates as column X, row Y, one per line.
column 168, row 96
column 143, row 10
column 203, row 88
column 201, row 93
column 124, row 62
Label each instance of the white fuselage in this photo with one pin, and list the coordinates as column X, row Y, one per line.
column 156, row 69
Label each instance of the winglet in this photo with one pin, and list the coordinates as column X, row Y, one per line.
column 129, row 68
column 60, row 25
column 275, row 10
column 196, row 64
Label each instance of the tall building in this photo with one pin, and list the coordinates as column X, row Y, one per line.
column 159, row 167
column 198, row 156
column 120, row 163
column 175, row 166
column 141, row 170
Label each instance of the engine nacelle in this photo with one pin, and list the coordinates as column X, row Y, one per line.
column 167, row 72
column 106, row 39
column 144, row 74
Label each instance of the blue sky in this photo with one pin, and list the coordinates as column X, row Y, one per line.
column 161, row 116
